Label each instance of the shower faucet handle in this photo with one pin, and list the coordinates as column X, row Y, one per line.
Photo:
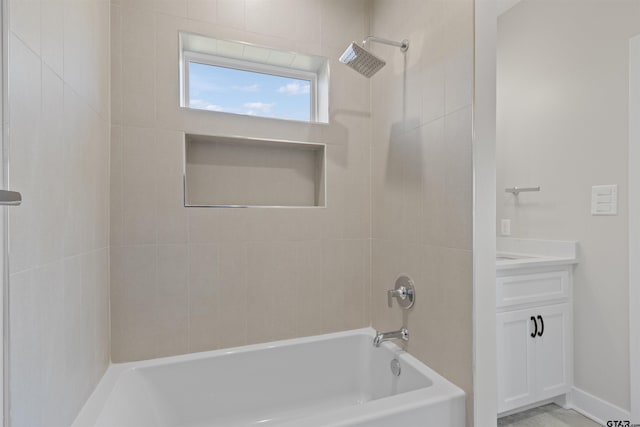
column 404, row 292
column 395, row 293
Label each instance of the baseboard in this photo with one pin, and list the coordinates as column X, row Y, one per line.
column 595, row 408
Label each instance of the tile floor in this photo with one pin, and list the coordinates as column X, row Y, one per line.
column 547, row 416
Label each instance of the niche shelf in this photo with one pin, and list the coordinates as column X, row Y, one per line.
column 229, row 171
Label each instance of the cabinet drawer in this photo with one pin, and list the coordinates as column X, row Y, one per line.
column 532, row 288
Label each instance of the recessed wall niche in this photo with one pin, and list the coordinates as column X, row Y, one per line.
column 224, row 171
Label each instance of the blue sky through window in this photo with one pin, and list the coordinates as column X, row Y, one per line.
column 250, row 93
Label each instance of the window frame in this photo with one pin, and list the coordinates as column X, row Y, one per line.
column 189, row 56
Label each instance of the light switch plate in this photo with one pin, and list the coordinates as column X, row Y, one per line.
column 604, row 200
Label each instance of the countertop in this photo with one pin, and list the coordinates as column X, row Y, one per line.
column 515, row 253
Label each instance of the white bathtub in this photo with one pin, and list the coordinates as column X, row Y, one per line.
column 330, row 380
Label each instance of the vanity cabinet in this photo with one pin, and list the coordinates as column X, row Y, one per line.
column 534, row 335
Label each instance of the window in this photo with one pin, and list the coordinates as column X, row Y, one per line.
column 238, row 78
column 229, row 87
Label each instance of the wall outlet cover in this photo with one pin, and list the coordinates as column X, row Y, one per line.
column 505, row 227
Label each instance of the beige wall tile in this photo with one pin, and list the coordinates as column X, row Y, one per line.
column 203, row 225
column 138, row 90
column 434, row 213
column 78, row 44
column 24, row 351
column 173, row 301
column 203, row 297
column 52, row 34
column 59, row 142
column 308, row 284
column 139, row 167
column 76, row 329
column 413, row 191
column 233, row 291
column 204, row 10
column 231, row 13
column 25, row 100
column 116, row 64
column 48, row 282
column 102, row 337
column 167, row 84
column 172, row 7
column 386, row 257
column 116, row 221
column 422, row 181
column 136, row 33
column 458, row 54
column 308, row 21
column 343, row 22
column 172, row 225
column 49, row 162
column 139, row 226
column 266, row 282
column 77, row 134
column 146, row 5
column 25, row 22
column 273, row 18
column 101, row 65
column 343, row 284
column 458, row 178
column 170, row 148
column 134, row 294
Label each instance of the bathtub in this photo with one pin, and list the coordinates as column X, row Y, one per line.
column 329, row 380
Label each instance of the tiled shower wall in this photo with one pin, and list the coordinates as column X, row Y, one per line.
column 58, row 242
column 196, row 279
column 189, row 279
column 422, row 179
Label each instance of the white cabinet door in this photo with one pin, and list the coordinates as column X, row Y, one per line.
column 516, row 359
column 553, row 351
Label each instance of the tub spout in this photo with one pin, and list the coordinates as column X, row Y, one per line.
column 381, row 337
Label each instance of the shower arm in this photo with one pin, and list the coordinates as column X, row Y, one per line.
column 403, row 45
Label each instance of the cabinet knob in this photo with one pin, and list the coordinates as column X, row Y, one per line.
column 535, row 324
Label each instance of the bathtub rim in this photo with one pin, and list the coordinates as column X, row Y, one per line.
column 440, row 390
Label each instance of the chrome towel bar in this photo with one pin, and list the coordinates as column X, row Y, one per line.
column 517, row 190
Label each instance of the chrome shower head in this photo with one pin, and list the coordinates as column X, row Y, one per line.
column 365, row 62
column 361, row 60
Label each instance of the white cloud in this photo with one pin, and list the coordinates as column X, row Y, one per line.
column 250, row 88
column 294, row 89
column 260, row 106
column 204, row 105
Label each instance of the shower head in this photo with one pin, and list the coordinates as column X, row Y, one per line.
column 365, row 62
column 361, row 60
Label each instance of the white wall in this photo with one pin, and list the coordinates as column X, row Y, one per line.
column 59, row 160
column 562, row 124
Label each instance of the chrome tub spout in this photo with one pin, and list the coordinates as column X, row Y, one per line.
column 381, row 337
